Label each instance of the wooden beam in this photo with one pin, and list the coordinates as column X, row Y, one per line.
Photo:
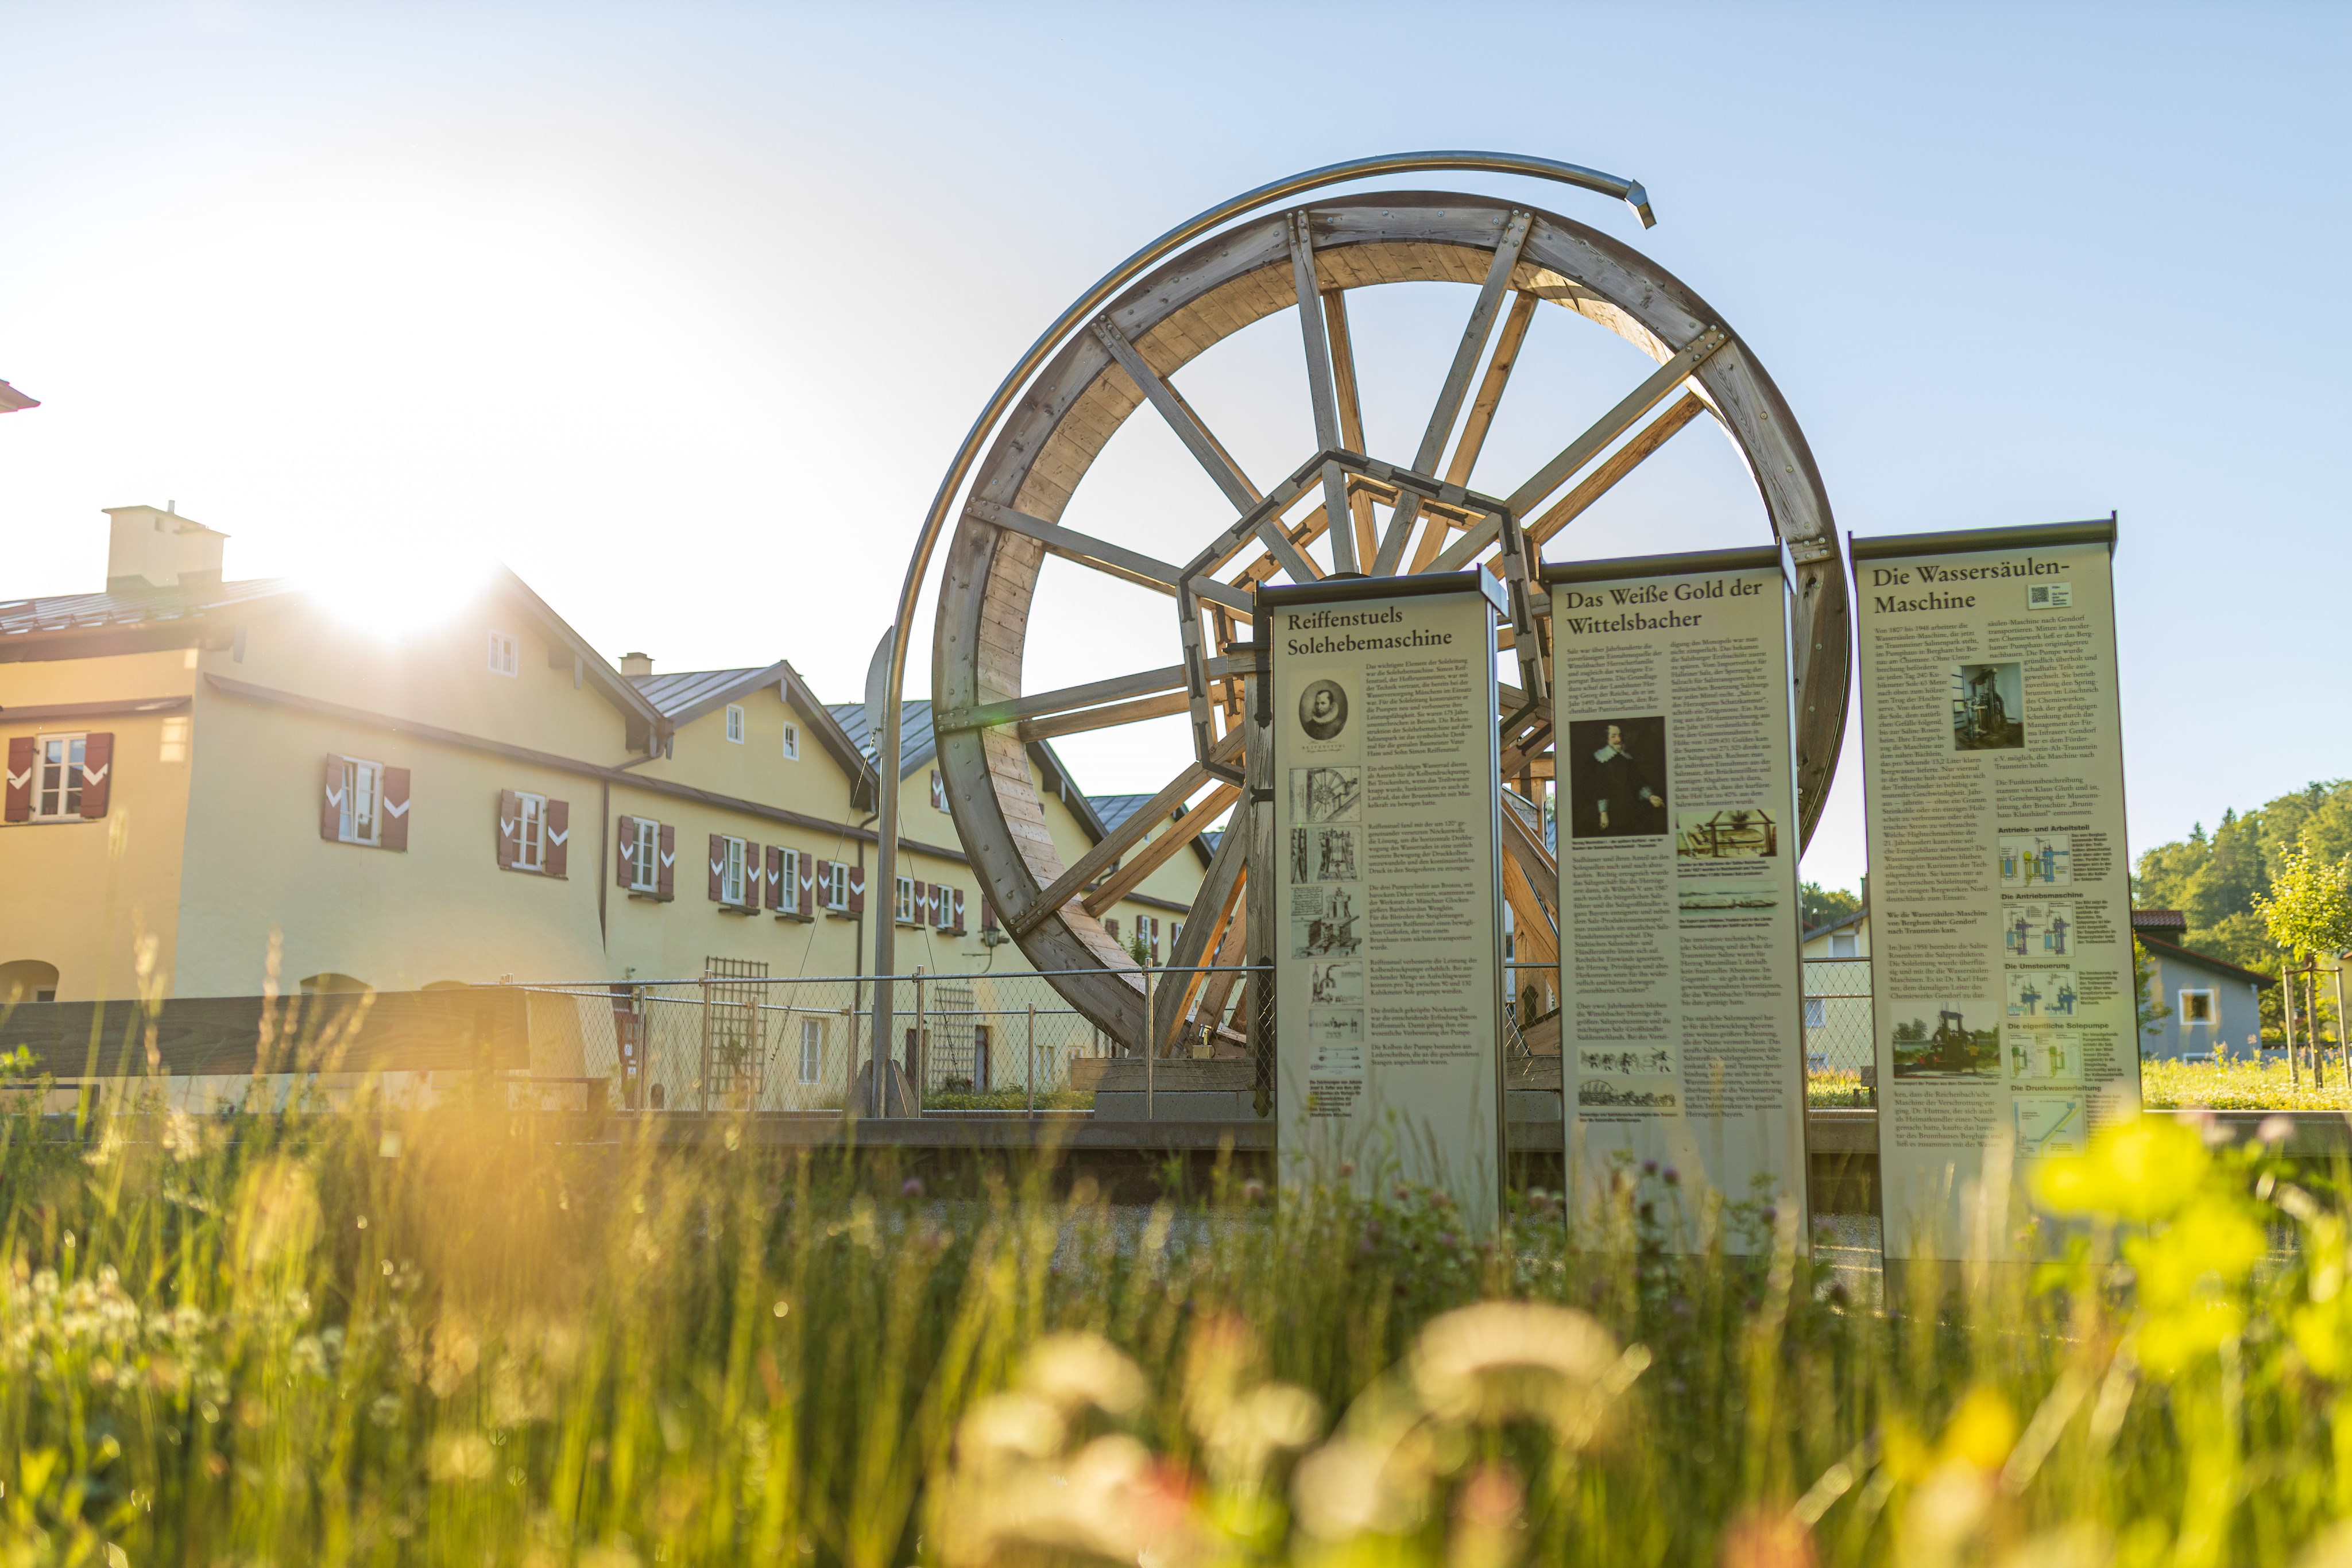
column 1196, row 821
column 1351, row 415
column 1067, row 699
column 1304, row 532
column 1113, row 560
column 1620, row 463
column 1228, row 871
column 1654, row 389
column 1091, row 719
column 1319, row 384
column 1118, row 841
column 1490, row 390
column 1205, row 448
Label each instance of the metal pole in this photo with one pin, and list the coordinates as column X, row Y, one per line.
column 918, row 1069
column 1150, row 1107
column 1031, row 1077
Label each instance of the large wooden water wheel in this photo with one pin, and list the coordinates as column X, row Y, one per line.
column 1340, row 510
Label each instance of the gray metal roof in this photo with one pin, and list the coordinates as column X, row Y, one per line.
column 136, row 607
column 678, row 690
column 1116, row 809
column 917, row 744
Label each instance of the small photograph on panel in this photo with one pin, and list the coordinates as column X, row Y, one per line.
column 1626, row 1060
column 1335, row 855
column 2049, row 1124
column 1320, row 794
column 1946, row 1039
column 1735, row 833
column 1323, row 710
column 1617, row 777
column 1300, row 858
column 1335, row 1026
column 2036, row 995
column 2045, row 1056
column 1630, row 1094
column 1754, row 895
column 1325, row 922
column 1336, row 980
column 2031, row 931
column 1988, row 707
column 2029, row 861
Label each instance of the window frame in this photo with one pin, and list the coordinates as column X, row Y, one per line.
column 902, row 902
column 530, row 832
column 506, row 655
column 939, row 793
column 835, row 885
column 2212, row 1009
column 348, row 829
column 791, row 741
column 812, row 1067
column 732, row 877
column 735, row 725
column 1851, row 944
column 69, row 788
column 644, row 863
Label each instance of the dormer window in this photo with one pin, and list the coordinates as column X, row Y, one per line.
column 735, row 723
column 506, row 655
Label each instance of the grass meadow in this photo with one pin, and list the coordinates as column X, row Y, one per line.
column 379, row 1335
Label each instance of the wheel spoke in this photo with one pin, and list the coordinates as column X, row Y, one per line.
column 1220, row 891
column 1205, row 448
column 1112, row 560
column 1117, row 841
column 1620, row 463
column 1319, row 386
column 1067, row 699
column 1617, row 421
column 1196, row 821
column 1351, row 414
column 1490, row 390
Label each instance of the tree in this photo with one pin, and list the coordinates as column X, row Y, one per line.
column 1817, row 905
column 2309, row 906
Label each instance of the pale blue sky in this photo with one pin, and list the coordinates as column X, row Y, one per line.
column 681, row 310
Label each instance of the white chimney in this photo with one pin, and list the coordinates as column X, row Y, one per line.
column 635, row 665
column 160, row 548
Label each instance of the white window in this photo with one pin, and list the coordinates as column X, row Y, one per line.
column 1175, row 936
column 792, row 742
column 1817, row 1012
column 943, row 907
column 903, row 904
column 58, row 777
column 833, row 885
column 362, row 820
column 530, row 832
column 1842, row 945
column 2196, row 1007
column 506, row 655
column 730, row 874
column 938, row 791
column 786, row 893
column 735, row 723
column 644, row 857
column 812, row 1050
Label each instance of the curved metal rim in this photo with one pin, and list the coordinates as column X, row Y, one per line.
column 1081, row 310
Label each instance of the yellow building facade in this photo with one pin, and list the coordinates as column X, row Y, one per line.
column 217, row 788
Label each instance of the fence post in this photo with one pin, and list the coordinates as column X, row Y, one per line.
column 702, row 1077
column 1030, row 1077
column 917, row 1070
column 1150, row 1105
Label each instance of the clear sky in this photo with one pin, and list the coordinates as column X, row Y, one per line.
column 681, row 310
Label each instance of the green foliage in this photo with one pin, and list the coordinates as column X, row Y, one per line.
column 2308, row 909
column 383, row 1334
column 2239, row 1083
column 1817, row 905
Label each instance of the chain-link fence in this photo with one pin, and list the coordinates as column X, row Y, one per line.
column 1839, row 1062
column 738, row 1041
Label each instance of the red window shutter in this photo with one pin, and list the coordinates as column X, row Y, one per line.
column 779, row 897
column 331, row 805
column 97, row 773
column 808, row 887
column 959, row 912
column 393, row 831
column 857, row 890
column 558, row 859
column 20, row 778
column 755, row 875
column 717, row 869
column 626, row 861
column 665, row 878
column 509, row 828
column 1110, row 927
column 922, row 904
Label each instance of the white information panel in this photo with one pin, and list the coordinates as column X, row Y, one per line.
column 2000, row 885
column 1388, row 973
column 1682, row 1024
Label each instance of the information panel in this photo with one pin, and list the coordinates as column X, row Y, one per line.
column 2001, row 912
column 1682, row 1025
column 1389, row 975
